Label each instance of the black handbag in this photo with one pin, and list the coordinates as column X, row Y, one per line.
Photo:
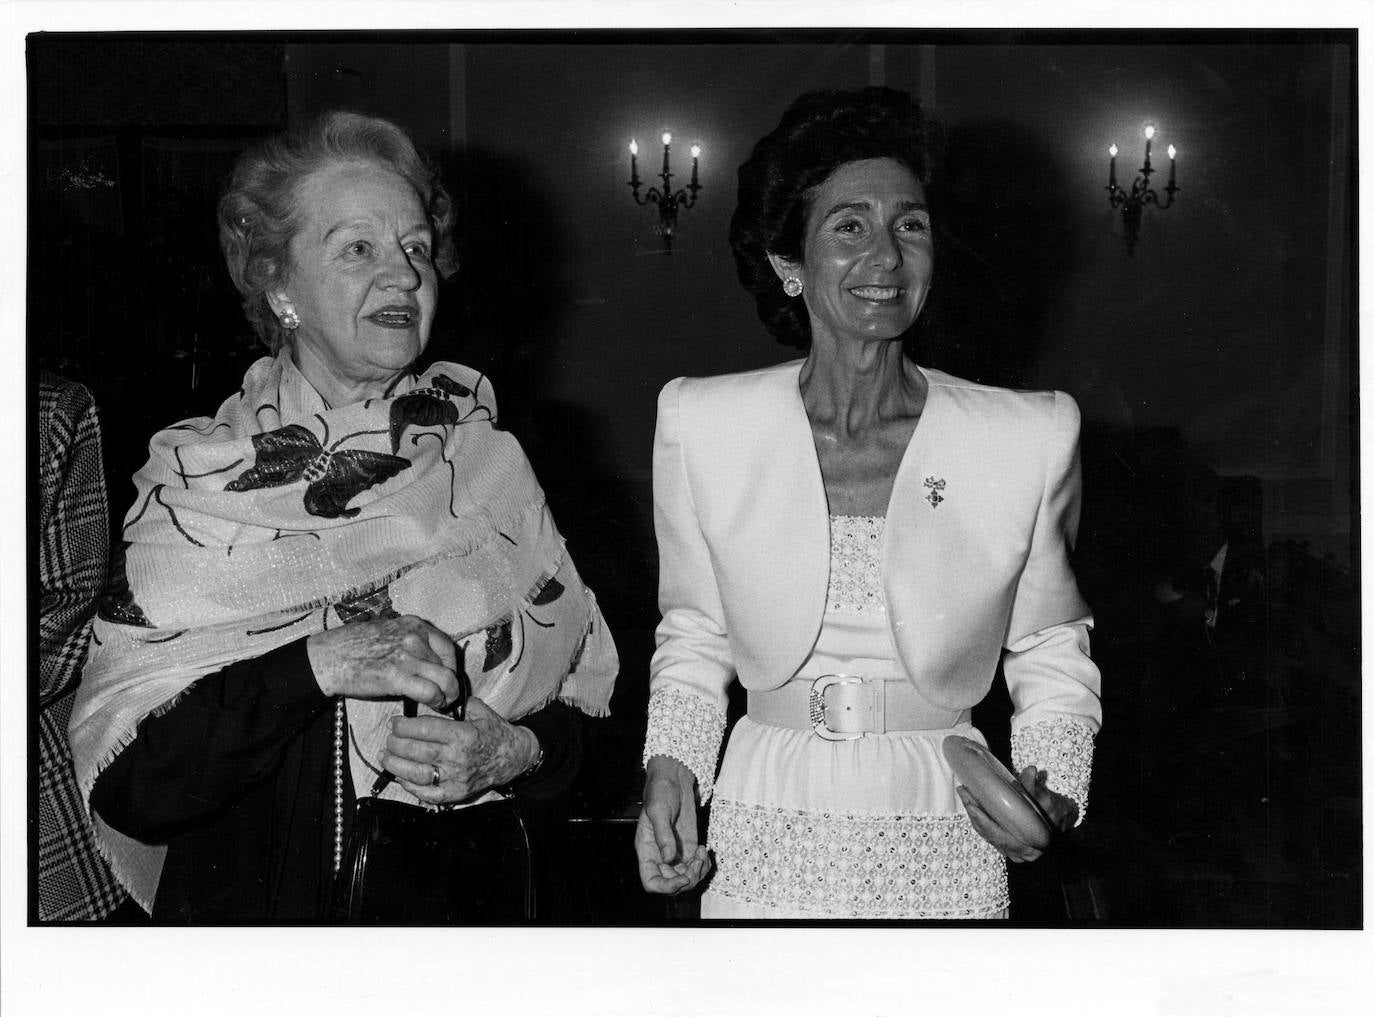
column 407, row 865
column 404, row 865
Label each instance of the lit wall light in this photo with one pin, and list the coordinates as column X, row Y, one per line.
column 1132, row 203
column 668, row 201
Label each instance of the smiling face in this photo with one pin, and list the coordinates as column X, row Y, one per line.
column 868, row 255
column 361, row 280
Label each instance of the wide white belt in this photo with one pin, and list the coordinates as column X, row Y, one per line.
column 839, row 707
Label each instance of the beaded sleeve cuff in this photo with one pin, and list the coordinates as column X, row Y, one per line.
column 688, row 728
column 1063, row 748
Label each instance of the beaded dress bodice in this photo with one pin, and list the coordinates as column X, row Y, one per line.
column 856, row 560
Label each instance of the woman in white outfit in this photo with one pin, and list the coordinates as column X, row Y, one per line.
column 859, row 540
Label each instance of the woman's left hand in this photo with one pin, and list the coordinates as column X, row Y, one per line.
column 468, row 756
column 1061, row 812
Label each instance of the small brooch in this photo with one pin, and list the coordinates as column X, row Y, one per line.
column 936, row 485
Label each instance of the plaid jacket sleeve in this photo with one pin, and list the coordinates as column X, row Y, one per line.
column 74, row 533
column 74, row 883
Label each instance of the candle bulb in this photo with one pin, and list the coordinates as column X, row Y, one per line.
column 696, row 154
column 667, row 140
column 1111, row 171
column 634, row 164
column 1172, row 152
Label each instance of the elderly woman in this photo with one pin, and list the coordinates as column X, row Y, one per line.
column 315, row 577
column 859, row 540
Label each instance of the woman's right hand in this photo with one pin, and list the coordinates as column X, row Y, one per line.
column 403, row 657
column 670, row 858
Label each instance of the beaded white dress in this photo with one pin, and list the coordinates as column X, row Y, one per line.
column 805, row 828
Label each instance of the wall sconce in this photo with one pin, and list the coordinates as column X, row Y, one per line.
column 1133, row 203
column 667, row 200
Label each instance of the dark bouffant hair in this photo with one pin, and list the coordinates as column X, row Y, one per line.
column 820, row 132
column 259, row 214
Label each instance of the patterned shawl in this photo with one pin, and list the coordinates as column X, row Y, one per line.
column 282, row 517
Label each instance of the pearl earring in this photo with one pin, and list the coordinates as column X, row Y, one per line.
column 792, row 286
column 289, row 319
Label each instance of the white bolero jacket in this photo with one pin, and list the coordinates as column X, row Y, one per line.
column 975, row 567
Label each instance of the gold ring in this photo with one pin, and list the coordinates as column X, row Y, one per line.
column 434, row 779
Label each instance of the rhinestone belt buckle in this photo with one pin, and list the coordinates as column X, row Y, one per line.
column 816, row 706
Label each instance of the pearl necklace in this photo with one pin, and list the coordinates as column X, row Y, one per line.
column 338, row 782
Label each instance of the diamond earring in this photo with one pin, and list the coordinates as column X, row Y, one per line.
column 792, row 286
column 289, row 319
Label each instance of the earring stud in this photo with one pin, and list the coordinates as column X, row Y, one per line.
column 792, row 286
column 289, row 319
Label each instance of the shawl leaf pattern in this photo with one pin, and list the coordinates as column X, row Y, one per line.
column 427, row 407
column 333, row 478
column 117, row 603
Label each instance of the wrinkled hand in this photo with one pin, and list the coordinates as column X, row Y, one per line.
column 670, row 859
column 1061, row 812
column 472, row 755
column 388, row 658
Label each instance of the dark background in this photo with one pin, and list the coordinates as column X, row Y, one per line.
column 1215, row 367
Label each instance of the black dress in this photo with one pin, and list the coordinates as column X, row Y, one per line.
column 236, row 778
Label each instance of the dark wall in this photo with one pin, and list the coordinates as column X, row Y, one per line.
column 1231, row 322
column 621, row 317
column 130, row 138
column 405, row 81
